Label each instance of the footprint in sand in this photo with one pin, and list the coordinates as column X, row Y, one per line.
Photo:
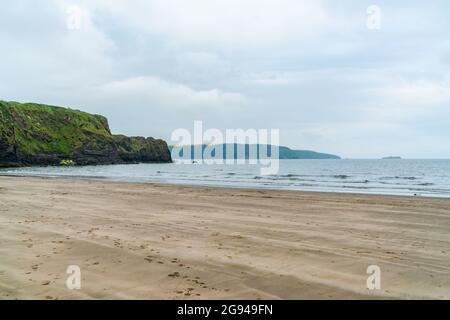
column 174, row 275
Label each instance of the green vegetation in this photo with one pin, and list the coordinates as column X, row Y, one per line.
column 287, row 153
column 67, row 163
column 40, row 128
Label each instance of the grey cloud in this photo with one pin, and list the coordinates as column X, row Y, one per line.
column 310, row 68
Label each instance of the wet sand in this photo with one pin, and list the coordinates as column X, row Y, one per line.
column 147, row 241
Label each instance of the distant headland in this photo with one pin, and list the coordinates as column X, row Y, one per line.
column 284, row 152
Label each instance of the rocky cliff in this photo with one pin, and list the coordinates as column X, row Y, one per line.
column 140, row 149
column 36, row 134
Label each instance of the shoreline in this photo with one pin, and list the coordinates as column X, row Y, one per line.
column 166, row 241
column 213, row 186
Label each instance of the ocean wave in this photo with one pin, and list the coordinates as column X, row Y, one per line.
column 399, row 178
column 354, row 187
column 341, row 176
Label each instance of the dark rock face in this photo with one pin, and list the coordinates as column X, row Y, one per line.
column 33, row 134
column 7, row 146
column 97, row 150
column 140, row 149
column 7, row 150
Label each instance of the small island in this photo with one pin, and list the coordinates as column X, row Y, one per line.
column 392, row 158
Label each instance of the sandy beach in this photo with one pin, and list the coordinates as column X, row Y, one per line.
column 146, row 241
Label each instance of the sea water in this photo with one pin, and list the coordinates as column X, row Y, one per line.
column 396, row 177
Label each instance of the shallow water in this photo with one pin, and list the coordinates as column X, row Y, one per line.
column 396, row 177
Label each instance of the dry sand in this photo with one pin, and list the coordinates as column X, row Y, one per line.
column 146, row 241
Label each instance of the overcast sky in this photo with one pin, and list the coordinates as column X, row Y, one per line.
column 313, row 69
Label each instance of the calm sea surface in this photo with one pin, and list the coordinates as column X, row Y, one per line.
column 398, row 177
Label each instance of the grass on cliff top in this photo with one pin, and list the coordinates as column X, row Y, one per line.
column 44, row 128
